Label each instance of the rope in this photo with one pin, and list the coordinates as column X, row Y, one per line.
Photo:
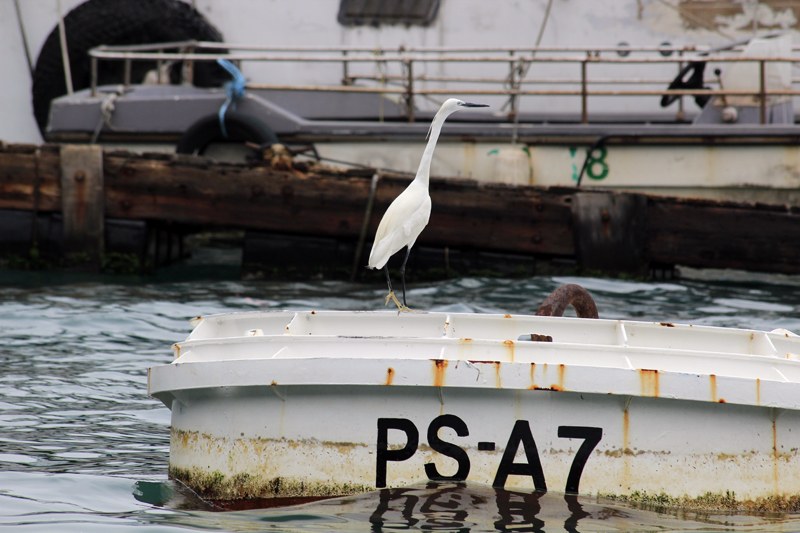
column 234, row 90
column 24, row 37
column 107, row 108
column 37, row 155
column 365, row 224
column 62, row 34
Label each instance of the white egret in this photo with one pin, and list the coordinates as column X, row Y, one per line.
column 408, row 215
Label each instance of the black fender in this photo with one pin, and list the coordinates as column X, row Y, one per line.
column 239, row 126
column 118, row 22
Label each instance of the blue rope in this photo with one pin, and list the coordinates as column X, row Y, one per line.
column 234, row 90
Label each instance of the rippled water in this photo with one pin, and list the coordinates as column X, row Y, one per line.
column 82, row 447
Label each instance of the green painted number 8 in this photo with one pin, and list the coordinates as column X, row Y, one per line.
column 601, row 161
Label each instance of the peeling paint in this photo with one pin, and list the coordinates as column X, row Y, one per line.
column 735, row 15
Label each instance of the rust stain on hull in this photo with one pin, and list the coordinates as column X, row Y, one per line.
column 713, row 382
column 510, row 346
column 758, row 391
column 439, row 367
column 533, row 377
column 775, row 454
column 626, row 455
column 648, row 381
column 389, row 376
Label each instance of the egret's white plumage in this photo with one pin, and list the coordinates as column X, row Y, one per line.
column 408, row 215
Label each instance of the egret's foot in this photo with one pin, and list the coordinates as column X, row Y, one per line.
column 393, row 298
column 400, row 307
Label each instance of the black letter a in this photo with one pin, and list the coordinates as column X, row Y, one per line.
column 533, row 468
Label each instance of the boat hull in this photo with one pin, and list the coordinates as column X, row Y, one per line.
column 262, row 441
column 275, row 404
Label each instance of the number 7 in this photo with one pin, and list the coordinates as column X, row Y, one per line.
column 590, row 436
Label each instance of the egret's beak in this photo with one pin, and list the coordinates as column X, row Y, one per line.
column 467, row 104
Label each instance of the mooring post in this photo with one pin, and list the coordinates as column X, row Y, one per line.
column 83, row 202
column 611, row 231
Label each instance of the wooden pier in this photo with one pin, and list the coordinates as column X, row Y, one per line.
column 101, row 200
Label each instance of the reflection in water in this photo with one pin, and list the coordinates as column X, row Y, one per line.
column 518, row 511
column 469, row 508
column 464, row 508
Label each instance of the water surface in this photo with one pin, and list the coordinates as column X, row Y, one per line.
column 82, row 447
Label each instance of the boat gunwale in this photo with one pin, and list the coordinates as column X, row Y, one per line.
column 511, row 376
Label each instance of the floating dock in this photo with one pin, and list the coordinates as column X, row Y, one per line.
column 94, row 193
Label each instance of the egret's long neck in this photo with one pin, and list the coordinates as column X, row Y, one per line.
column 424, row 170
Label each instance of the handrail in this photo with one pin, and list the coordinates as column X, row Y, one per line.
column 438, row 49
column 407, row 84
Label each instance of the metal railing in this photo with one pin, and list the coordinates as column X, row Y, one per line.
column 410, row 86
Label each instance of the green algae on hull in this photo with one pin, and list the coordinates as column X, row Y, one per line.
column 216, row 486
column 710, row 501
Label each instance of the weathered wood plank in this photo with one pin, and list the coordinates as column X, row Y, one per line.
column 731, row 236
column 490, row 217
column 18, row 177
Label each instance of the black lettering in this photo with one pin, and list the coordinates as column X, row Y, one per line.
column 389, row 506
column 520, row 434
column 384, row 454
column 576, row 513
column 518, row 512
column 590, row 436
column 447, row 448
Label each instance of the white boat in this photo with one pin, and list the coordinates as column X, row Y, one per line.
column 320, row 403
column 562, row 78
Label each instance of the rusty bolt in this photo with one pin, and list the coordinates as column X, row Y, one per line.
column 79, row 176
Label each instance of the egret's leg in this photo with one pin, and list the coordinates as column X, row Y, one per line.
column 403, row 275
column 391, row 295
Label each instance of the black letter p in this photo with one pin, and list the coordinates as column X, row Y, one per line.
column 385, row 454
